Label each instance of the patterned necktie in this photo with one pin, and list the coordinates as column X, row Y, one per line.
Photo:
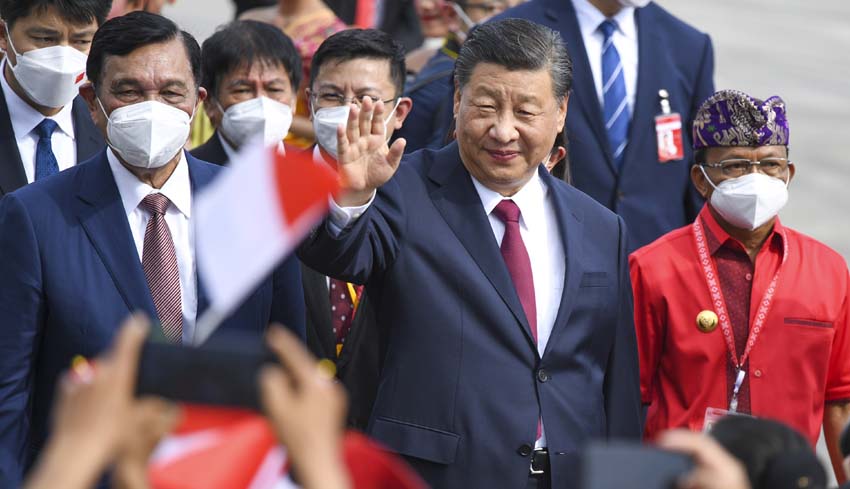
column 342, row 309
column 45, row 160
column 616, row 108
column 516, row 258
column 159, row 262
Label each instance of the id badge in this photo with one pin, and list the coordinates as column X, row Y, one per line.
column 713, row 415
column 668, row 132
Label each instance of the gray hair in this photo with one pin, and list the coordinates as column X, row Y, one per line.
column 517, row 44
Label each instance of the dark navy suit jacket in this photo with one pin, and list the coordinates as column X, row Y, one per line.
column 12, row 176
column 69, row 275
column 462, row 382
column 653, row 198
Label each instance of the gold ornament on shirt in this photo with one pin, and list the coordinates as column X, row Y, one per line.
column 707, row 321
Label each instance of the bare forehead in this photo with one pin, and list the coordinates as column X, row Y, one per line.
column 151, row 65
column 746, row 152
column 497, row 81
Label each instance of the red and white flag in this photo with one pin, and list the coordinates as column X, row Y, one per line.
column 249, row 218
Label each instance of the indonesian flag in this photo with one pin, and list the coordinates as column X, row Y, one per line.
column 249, row 218
column 219, row 448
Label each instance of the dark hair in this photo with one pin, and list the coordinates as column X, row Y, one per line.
column 517, row 44
column 76, row 11
column 772, row 453
column 122, row 35
column 361, row 43
column 243, row 43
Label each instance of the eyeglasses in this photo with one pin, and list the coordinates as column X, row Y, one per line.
column 773, row 167
column 334, row 99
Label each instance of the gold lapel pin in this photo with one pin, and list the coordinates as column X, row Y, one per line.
column 707, row 321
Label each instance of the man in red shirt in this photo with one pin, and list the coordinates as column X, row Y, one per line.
column 736, row 312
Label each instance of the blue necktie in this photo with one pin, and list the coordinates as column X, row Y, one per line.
column 45, row 160
column 615, row 106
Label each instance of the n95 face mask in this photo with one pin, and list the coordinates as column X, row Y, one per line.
column 259, row 116
column 51, row 76
column 750, row 200
column 147, row 134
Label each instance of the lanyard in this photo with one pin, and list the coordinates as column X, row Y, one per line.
column 719, row 303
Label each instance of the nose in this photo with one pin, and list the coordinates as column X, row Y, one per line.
column 504, row 130
column 754, row 168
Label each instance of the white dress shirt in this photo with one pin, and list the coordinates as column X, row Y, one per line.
column 625, row 40
column 540, row 231
column 178, row 189
column 24, row 121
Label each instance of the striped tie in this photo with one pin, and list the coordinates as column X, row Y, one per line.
column 159, row 261
column 616, row 108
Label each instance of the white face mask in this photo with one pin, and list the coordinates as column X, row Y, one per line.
column 634, row 3
column 147, row 134
column 258, row 116
column 326, row 120
column 749, row 201
column 52, row 76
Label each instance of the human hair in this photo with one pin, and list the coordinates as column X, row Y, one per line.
column 770, row 451
column 517, row 44
column 358, row 44
column 122, row 35
column 76, row 11
column 241, row 44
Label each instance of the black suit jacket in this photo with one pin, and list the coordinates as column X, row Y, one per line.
column 211, row 151
column 399, row 19
column 12, row 176
column 359, row 362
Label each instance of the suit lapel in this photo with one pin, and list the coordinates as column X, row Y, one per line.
column 584, row 96
column 316, row 294
column 571, row 230
column 458, row 202
column 648, row 84
column 104, row 220
column 12, row 175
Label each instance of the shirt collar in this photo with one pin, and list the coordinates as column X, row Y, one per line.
column 178, row 187
column 589, row 18
column 529, row 199
column 716, row 237
column 25, row 118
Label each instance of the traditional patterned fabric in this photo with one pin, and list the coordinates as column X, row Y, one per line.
column 733, row 118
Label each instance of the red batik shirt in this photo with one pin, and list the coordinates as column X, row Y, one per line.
column 801, row 358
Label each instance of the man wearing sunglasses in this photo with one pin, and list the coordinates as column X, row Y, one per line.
column 736, row 313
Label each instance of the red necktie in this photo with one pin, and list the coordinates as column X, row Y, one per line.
column 159, row 261
column 516, row 258
column 365, row 15
column 342, row 309
column 519, row 266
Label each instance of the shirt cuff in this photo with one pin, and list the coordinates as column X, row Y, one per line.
column 342, row 217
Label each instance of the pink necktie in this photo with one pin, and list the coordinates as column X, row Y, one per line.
column 159, row 262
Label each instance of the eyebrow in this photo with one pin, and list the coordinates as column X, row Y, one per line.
column 243, row 81
column 331, row 86
column 42, row 31
column 132, row 82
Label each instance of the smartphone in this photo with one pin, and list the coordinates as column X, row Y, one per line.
column 221, row 373
column 624, row 465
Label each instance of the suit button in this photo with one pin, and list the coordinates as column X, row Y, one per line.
column 543, row 375
column 757, row 373
column 524, row 450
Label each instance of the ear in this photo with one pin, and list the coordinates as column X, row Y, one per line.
column 308, row 96
column 699, row 181
column 555, row 156
column 562, row 112
column 213, row 111
column 202, row 95
column 88, row 94
column 792, row 170
column 405, row 105
column 4, row 43
column 456, row 107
